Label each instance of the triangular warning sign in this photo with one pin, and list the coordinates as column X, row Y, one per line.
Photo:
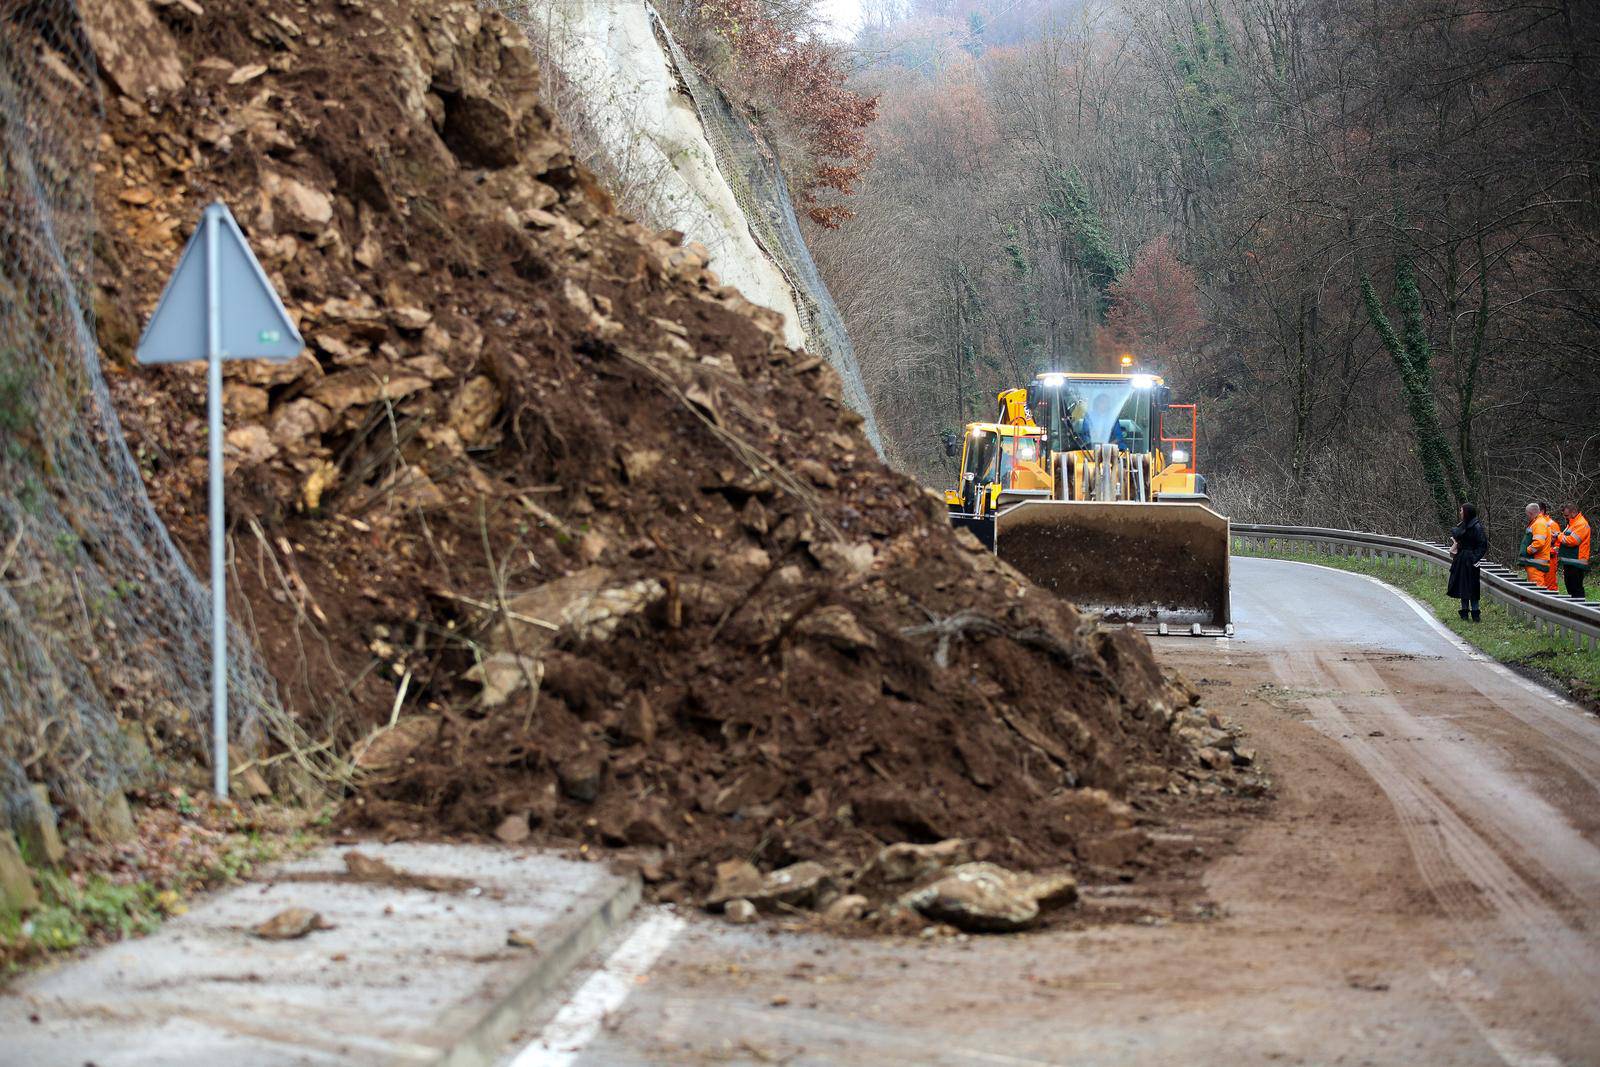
column 251, row 321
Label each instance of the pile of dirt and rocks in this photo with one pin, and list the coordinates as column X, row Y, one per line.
column 548, row 530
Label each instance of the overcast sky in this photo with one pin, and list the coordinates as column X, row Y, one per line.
column 844, row 14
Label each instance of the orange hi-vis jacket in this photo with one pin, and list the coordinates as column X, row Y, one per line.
column 1552, row 535
column 1539, row 550
column 1573, row 543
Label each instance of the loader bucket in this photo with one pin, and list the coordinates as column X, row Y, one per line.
column 1130, row 561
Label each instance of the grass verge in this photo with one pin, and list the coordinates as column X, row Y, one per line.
column 1548, row 658
column 104, row 893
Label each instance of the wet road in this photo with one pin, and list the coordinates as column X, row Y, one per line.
column 1425, row 890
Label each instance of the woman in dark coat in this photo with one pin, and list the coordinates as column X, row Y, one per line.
column 1471, row 542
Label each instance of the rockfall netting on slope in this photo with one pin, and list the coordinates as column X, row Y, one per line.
column 104, row 631
column 752, row 171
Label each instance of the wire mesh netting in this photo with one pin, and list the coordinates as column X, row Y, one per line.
column 104, row 631
column 751, row 169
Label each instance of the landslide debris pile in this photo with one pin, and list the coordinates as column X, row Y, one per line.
column 548, row 529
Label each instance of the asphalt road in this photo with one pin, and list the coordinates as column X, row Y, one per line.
column 1425, row 890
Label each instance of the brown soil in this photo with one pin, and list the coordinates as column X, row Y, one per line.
column 362, row 869
column 508, row 384
column 1340, row 933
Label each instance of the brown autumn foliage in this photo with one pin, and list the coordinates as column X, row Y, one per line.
column 1287, row 149
column 779, row 64
column 1152, row 310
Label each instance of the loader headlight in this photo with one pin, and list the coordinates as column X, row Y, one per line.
column 1180, row 455
column 1143, row 381
column 1053, row 380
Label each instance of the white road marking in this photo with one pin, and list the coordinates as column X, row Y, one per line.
column 1426, row 614
column 563, row 1040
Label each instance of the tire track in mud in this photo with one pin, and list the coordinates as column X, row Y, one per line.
column 1570, row 729
column 1472, row 778
column 1479, row 870
column 1572, row 734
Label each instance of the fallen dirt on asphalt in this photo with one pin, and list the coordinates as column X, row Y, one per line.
column 1419, row 893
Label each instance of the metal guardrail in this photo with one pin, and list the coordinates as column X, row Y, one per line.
column 1547, row 611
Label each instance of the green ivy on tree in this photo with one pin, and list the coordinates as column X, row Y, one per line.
column 1413, row 358
column 1072, row 207
column 1206, row 106
column 1030, row 342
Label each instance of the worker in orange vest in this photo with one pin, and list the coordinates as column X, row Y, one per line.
column 1537, row 548
column 1552, row 541
column 1573, row 549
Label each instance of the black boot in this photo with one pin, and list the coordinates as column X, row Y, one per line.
column 1462, row 613
column 1476, row 617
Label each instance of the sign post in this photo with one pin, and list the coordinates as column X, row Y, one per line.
column 218, row 305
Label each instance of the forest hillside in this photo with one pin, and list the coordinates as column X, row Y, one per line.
column 1363, row 237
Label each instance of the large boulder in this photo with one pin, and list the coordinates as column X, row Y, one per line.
column 989, row 898
column 136, row 50
column 588, row 605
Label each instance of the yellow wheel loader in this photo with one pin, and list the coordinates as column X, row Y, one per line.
column 1002, row 462
column 1080, row 486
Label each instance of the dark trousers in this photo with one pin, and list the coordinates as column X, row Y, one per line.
column 1469, row 606
column 1574, row 576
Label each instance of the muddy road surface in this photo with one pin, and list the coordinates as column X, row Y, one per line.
column 1426, row 890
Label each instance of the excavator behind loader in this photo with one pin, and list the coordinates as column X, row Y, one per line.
column 1078, row 485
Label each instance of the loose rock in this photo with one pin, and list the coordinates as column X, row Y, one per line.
column 987, row 897
column 290, row 924
column 846, row 909
column 504, row 674
column 908, row 862
column 513, row 829
column 735, row 878
column 580, row 778
column 35, row 825
column 638, row 720
column 17, row 891
column 795, row 885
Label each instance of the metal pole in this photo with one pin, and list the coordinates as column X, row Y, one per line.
column 219, row 580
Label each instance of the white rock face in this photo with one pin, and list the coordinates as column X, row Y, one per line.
column 608, row 50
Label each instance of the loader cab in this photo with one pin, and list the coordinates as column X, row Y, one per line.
column 1080, row 411
column 995, row 459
